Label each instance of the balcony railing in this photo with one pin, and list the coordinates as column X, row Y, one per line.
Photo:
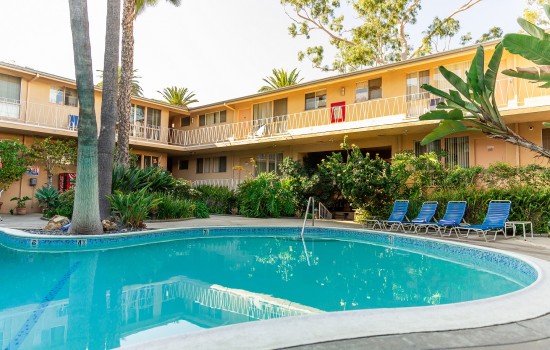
column 509, row 93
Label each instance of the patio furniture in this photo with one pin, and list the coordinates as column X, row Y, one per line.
column 524, row 224
column 454, row 215
column 396, row 219
column 425, row 216
column 495, row 220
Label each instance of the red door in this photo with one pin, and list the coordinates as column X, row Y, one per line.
column 338, row 112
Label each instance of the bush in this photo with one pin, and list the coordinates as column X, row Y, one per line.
column 266, row 196
column 129, row 180
column 134, row 207
column 64, row 205
column 170, row 207
column 201, row 211
column 48, row 197
column 218, row 199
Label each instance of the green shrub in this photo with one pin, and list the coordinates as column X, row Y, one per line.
column 201, row 211
column 170, row 207
column 134, row 207
column 48, row 197
column 218, row 199
column 64, row 205
column 133, row 179
column 266, row 196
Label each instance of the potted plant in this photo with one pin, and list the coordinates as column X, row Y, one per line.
column 21, row 207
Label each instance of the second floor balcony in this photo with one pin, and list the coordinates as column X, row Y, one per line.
column 511, row 94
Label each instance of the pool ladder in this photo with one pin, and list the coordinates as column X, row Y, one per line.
column 310, row 201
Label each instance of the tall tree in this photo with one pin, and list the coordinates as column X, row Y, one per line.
column 137, row 90
column 179, row 96
column 106, row 140
column 281, row 78
column 86, row 206
column 380, row 38
column 131, row 9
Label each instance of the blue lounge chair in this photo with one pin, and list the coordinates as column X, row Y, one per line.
column 396, row 219
column 424, row 217
column 495, row 220
column 454, row 214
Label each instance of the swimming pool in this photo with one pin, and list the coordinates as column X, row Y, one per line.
column 126, row 289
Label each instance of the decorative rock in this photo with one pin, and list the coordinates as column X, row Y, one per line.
column 109, row 225
column 56, row 223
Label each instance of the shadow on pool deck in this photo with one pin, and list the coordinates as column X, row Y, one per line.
column 530, row 334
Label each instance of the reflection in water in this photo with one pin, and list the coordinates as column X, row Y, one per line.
column 122, row 296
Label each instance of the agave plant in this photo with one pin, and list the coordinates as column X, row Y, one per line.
column 472, row 106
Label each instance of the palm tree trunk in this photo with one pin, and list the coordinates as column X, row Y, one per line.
column 125, row 88
column 106, row 140
column 86, row 205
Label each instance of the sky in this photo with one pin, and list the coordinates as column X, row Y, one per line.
column 220, row 49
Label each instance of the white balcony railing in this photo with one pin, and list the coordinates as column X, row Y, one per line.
column 229, row 183
column 510, row 94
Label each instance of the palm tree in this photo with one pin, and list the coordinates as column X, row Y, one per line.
column 131, row 9
column 178, row 96
column 86, row 203
column 137, row 90
column 281, row 78
column 106, row 140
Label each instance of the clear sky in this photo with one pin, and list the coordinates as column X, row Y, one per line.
column 219, row 49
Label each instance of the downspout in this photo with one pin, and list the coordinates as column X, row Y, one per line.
column 28, row 95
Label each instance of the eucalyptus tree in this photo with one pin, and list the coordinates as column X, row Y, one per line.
column 178, row 96
column 281, row 78
column 106, row 140
column 380, row 37
column 131, row 9
column 86, row 218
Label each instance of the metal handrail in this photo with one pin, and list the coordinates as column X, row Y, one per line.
column 311, row 201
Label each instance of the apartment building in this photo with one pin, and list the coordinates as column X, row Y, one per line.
column 224, row 142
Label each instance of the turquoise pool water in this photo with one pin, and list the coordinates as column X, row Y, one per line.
column 105, row 298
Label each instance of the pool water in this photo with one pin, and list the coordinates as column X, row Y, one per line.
column 110, row 298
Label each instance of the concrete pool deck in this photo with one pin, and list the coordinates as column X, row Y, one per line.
column 527, row 334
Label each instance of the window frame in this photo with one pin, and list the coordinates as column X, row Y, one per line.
column 183, row 164
column 364, row 91
column 211, row 165
column 318, row 97
column 62, row 98
column 213, row 118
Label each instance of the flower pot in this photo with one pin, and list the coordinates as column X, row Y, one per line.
column 21, row 211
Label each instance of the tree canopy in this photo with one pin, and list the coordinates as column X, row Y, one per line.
column 179, row 96
column 380, row 35
column 55, row 153
column 14, row 160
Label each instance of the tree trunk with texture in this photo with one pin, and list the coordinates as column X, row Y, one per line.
column 86, row 206
column 125, row 88
column 106, row 141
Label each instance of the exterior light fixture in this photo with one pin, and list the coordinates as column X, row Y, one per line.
column 342, row 91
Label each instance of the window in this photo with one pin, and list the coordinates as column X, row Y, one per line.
column 183, row 164
column 63, row 96
column 414, row 83
column 546, row 138
column 212, row 118
column 316, row 99
column 368, row 90
column 150, row 161
column 457, row 152
column 268, row 162
column 219, row 164
column 137, row 114
column 261, row 112
column 10, row 91
column 153, row 117
column 211, row 165
column 430, row 147
column 185, row 121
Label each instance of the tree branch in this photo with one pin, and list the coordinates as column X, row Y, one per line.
column 428, row 37
column 317, row 25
